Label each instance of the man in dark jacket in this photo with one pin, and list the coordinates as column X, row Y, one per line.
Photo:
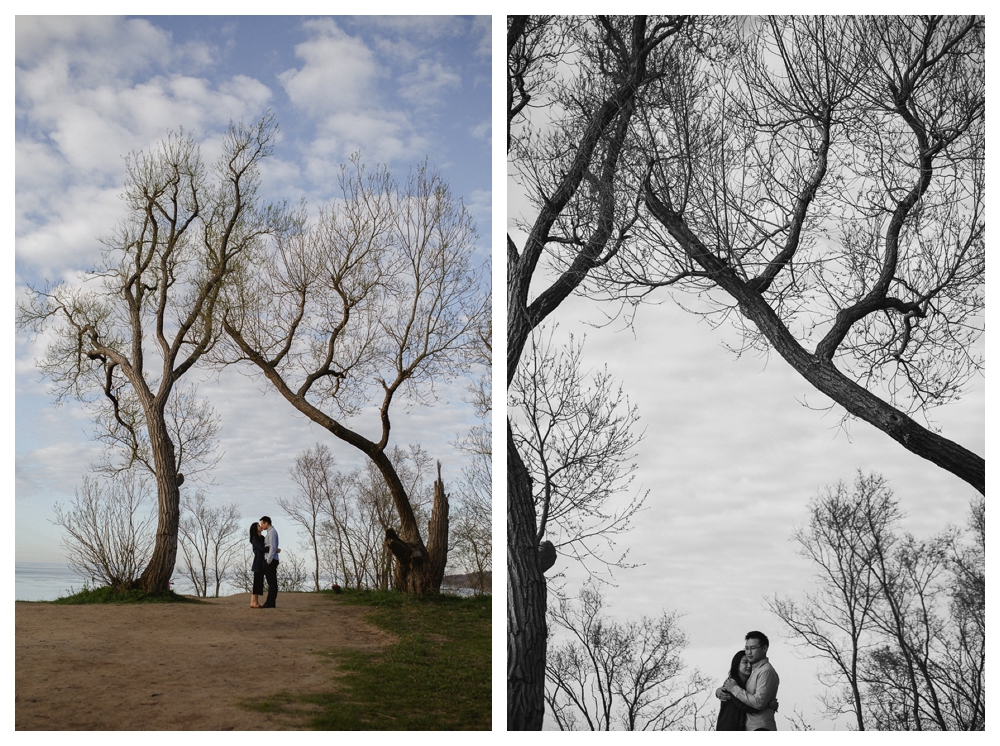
column 270, row 561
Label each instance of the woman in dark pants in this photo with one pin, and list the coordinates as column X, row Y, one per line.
column 733, row 713
column 257, row 542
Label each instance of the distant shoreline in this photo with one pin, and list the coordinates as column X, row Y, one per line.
column 47, row 581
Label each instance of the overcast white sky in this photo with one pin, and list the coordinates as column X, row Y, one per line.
column 89, row 90
column 731, row 458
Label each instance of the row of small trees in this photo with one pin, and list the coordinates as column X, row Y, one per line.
column 109, row 535
column 610, row 674
column 900, row 621
column 109, row 529
column 346, row 515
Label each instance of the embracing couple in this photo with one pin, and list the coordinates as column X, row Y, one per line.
column 749, row 695
column 265, row 563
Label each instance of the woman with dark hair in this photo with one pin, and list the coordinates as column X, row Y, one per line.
column 733, row 713
column 257, row 568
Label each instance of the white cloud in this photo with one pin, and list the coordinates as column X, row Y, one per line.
column 380, row 136
column 89, row 91
column 483, row 25
column 338, row 74
column 338, row 86
column 90, row 49
column 58, row 231
column 483, row 131
column 344, row 84
column 424, row 86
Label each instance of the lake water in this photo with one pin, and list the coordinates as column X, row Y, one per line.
column 47, row 581
column 44, row 581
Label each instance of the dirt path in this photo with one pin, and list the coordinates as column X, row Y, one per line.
column 176, row 666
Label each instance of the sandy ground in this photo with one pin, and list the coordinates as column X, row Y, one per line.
column 176, row 666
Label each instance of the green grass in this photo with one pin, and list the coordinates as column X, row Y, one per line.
column 436, row 677
column 106, row 595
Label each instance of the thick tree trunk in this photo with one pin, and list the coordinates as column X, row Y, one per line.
column 418, row 569
column 437, row 533
column 526, row 602
column 156, row 577
column 597, row 153
column 412, row 570
column 818, row 369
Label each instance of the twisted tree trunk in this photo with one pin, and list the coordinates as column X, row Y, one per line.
column 526, row 602
column 437, row 533
column 156, row 577
column 419, row 568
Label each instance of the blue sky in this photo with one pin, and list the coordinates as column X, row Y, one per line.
column 88, row 90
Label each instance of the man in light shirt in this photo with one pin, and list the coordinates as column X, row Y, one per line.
column 270, row 561
column 762, row 686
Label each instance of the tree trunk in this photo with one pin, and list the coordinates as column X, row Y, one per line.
column 412, row 571
column 437, row 533
column 819, row 370
column 526, row 602
column 156, row 577
column 315, row 543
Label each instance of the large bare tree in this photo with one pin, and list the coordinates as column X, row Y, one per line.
column 819, row 179
column 374, row 303
column 566, row 131
column 125, row 335
column 825, row 184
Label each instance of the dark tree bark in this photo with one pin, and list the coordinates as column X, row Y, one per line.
column 526, row 602
column 818, row 368
column 437, row 533
column 156, row 577
column 602, row 129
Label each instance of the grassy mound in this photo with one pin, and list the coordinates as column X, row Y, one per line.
column 107, row 595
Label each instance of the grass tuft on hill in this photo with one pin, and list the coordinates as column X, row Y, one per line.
column 107, row 595
column 436, row 677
